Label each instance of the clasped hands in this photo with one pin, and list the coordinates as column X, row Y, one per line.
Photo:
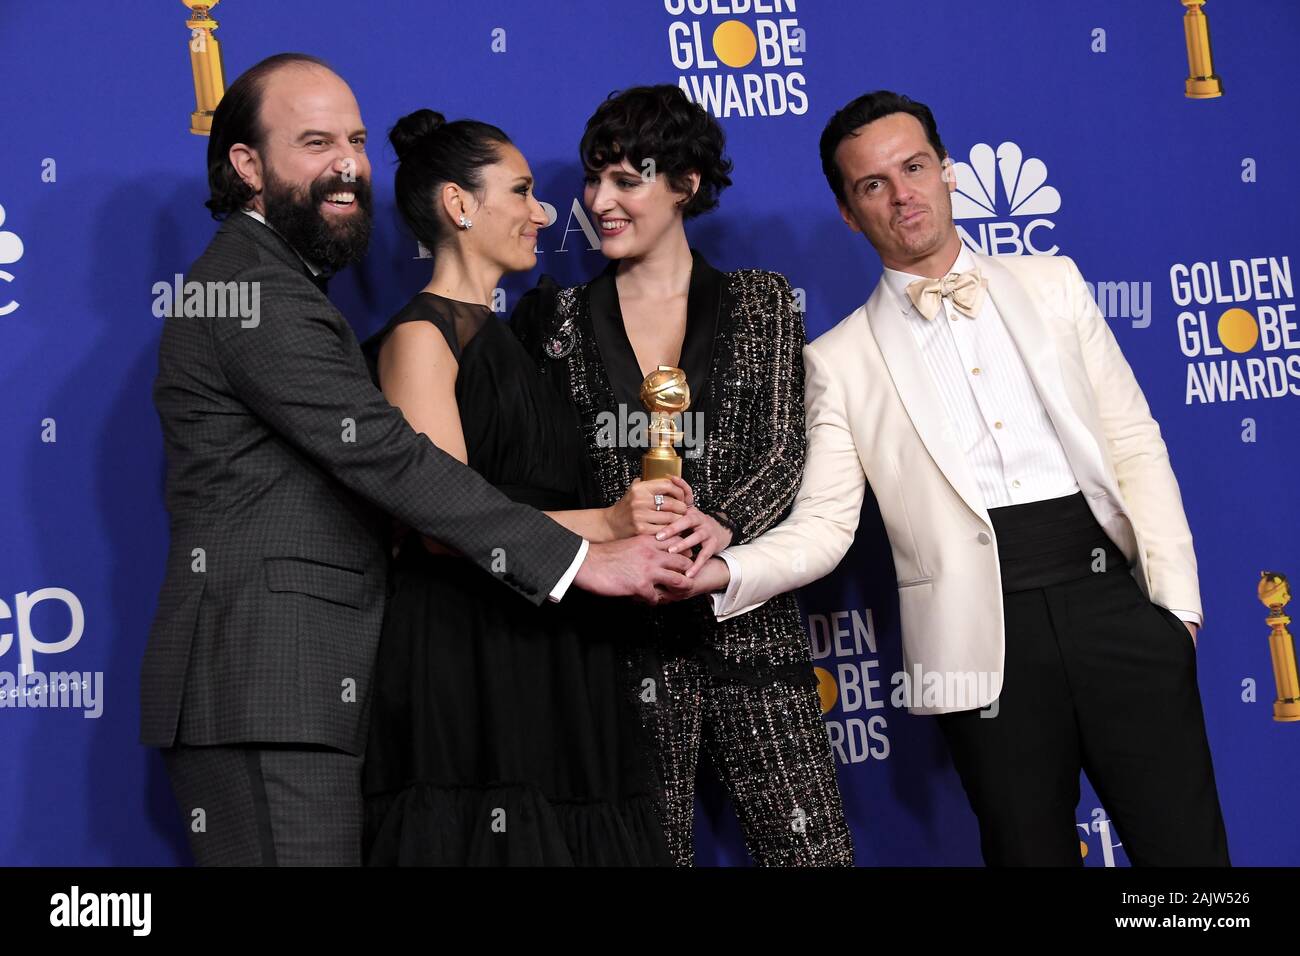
column 676, row 525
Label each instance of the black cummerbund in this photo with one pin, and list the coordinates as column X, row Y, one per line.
column 1041, row 543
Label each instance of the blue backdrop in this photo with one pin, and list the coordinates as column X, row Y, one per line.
column 1077, row 140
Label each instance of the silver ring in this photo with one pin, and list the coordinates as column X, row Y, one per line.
column 659, row 502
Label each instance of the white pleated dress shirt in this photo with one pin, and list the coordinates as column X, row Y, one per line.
column 1000, row 422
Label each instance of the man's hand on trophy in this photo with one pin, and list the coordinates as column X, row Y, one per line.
column 639, row 567
column 647, row 507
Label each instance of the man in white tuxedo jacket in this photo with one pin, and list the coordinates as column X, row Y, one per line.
column 1046, row 578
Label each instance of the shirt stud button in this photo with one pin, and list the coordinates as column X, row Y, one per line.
column 983, row 538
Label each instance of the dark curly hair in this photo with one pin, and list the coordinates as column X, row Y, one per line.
column 868, row 108
column 659, row 123
column 431, row 153
column 238, row 119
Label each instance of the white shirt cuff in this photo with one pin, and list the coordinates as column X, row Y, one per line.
column 724, row 603
column 722, row 600
column 562, row 585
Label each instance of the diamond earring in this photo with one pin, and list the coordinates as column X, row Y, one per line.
column 464, row 223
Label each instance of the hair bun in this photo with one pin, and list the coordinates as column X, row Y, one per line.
column 414, row 129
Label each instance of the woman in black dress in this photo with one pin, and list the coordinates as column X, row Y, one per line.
column 501, row 733
column 741, row 688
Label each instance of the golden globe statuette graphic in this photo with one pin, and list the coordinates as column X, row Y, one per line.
column 1203, row 84
column 205, row 58
column 1274, row 593
column 664, row 392
column 828, row 691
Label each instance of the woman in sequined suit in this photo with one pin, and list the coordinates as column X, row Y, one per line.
column 743, row 689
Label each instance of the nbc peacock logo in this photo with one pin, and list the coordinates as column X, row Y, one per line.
column 1001, row 189
column 11, row 250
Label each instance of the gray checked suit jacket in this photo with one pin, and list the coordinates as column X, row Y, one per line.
column 271, row 606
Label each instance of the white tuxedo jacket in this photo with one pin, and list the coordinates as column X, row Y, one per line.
column 873, row 415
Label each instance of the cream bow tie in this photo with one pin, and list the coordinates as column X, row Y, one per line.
column 966, row 289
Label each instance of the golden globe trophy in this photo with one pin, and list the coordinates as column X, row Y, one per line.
column 1203, row 84
column 1275, row 594
column 205, row 58
column 664, row 393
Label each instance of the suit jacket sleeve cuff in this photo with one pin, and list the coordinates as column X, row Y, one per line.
column 562, row 585
column 1191, row 617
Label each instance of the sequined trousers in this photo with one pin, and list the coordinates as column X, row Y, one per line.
column 769, row 746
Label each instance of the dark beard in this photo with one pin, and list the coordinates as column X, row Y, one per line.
column 297, row 217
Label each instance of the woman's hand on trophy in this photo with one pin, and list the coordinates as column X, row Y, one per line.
column 687, row 494
column 647, row 507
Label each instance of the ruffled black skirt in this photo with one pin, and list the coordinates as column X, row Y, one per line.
column 503, row 734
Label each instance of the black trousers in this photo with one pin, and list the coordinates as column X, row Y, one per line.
column 1096, row 678
column 268, row 804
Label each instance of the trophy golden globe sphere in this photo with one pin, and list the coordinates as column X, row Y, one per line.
column 1273, row 590
column 664, row 393
column 665, row 390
